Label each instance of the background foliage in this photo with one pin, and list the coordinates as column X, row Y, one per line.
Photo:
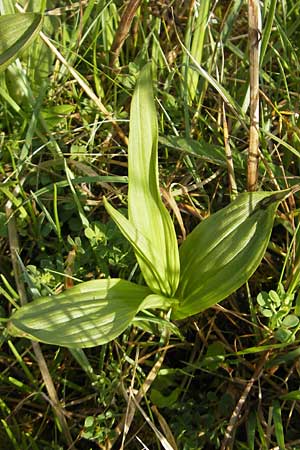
column 63, row 141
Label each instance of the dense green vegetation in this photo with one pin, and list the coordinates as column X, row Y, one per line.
column 226, row 378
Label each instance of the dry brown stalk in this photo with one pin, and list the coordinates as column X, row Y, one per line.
column 123, row 30
column 126, row 421
column 85, row 87
column 254, row 50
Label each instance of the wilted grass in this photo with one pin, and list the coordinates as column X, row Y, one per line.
column 232, row 381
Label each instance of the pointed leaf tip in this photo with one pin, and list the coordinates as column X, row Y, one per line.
column 223, row 251
column 145, row 207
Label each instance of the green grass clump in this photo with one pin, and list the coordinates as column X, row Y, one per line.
column 229, row 378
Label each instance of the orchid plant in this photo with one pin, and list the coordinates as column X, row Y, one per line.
column 217, row 257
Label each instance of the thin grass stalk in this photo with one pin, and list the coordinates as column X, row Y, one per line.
column 14, row 251
column 227, row 98
column 254, row 20
column 126, row 421
column 228, row 438
column 162, row 439
column 230, row 167
column 85, row 87
column 165, row 427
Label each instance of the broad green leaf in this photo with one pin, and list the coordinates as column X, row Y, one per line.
column 92, row 313
column 290, row 321
column 165, row 401
column 141, row 246
column 284, row 335
column 146, row 211
column 223, row 251
column 17, row 31
column 157, row 301
column 145, row 207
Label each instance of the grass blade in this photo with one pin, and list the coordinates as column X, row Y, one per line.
column 197, row 47
column 278, row 425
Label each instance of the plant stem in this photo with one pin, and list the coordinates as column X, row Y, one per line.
column 254, row 50
column 123, row 30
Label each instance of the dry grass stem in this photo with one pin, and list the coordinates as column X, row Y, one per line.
column 230, row 168
column 230, row 430
column 85, row 87
column 254, row 49
column 127, row 419
column 123, row 30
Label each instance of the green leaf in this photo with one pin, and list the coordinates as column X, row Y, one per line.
column 215, row 355
column 157, row 301
column 283, row 335
column 278, row 425
column 293, row 395
column 141, row 246
column 17, row 31
column 251, row 427
column 145, row 207
column 155, row 325
column 197, row 46
column 263, row 298
column 223, row 251
column 290, row 321
column 147, row 213
column 165, row 401
column 267, row 312
column 208, row 152
column 89, row 314
column 275, row 298
column 297, row 307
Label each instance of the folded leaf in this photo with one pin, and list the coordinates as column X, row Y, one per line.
column 141, row 246
column 17, row 31
column 223, row 251
column 145, row 207
column 90, row 314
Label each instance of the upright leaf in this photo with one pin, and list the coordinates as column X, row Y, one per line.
column 198, row 37
column 223, row 251
column 141, row 246
column 146, row 211
column 90, row 314
column 17, row 31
